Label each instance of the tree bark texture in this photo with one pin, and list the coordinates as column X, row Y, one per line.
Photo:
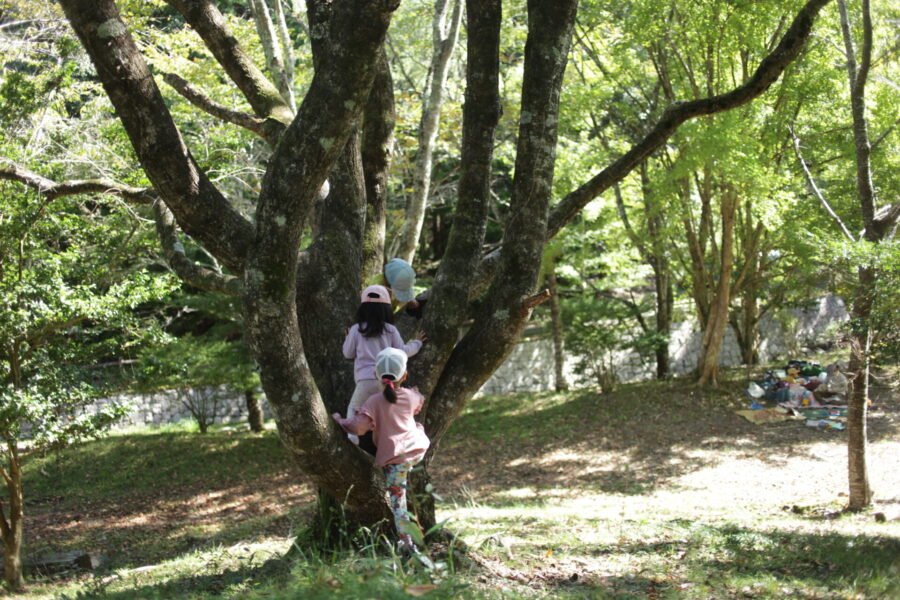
column 273, row 48
column 858, row 474
column 12, row 525
column 377, row 144
column 858, row 402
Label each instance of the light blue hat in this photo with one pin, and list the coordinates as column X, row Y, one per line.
column 402, row 279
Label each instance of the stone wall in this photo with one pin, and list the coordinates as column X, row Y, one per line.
column 530, row 366
column 170, row 406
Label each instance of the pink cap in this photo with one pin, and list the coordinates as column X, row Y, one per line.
column 376, row 293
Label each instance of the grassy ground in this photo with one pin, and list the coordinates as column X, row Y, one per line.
column 655, row 491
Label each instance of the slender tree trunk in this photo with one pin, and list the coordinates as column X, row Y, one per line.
column 445, row 27
column 271, row 43
column 857, row 436
column 749, row 341
column 254, row 410
column 559, row 358
column 860, row 491
column 13, row 525
column 284, row 37
column 664, row 304
column 714, row 331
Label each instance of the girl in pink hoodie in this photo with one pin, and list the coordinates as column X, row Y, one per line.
column 400, row 439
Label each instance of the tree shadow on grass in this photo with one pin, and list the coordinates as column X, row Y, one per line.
column 142, row 498
column 227, row 583
column 723, row 561
column 633, row 441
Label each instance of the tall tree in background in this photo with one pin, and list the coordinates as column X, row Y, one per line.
column 879, row 225
column 296, row 301
column 444, row 35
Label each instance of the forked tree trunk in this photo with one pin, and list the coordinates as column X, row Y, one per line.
column 714, row 328
column 296, row 304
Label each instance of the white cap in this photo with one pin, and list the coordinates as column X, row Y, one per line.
column 392, row 362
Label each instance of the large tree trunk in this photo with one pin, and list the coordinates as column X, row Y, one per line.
column 377, row 143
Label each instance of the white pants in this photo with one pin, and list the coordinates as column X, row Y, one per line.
column 364, row 389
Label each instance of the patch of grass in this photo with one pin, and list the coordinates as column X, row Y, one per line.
column 148, row 461
column 654, row 491
column 256, row 571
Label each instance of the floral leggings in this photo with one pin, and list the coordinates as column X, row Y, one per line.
column 397, row 477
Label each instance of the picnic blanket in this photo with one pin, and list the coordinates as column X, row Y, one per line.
column 765, row 415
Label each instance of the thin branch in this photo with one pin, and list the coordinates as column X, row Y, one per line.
column 815, row 189
column 268, row 129
column 190, row 272
column 208, row 22
column 677, row 113
column 535, row 300
column 52, row 190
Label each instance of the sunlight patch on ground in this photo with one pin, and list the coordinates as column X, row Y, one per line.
column 727, row 486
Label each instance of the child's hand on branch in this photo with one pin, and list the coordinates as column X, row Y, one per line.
column 421, row 337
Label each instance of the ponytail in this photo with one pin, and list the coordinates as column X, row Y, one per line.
column 390, row 394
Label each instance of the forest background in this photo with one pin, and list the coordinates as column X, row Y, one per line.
column 744, row 213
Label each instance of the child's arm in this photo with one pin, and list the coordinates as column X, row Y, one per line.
column 350, row 343
column 411, row 348
column 358, row 425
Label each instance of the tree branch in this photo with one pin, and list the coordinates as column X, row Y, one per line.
column 201, row 210
column 677, row 113
column 500, row 319
column 815, row 188
column 208, row 22
column 52, row 190
column 186, row 269
column 535, row 300
column 268, row 129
